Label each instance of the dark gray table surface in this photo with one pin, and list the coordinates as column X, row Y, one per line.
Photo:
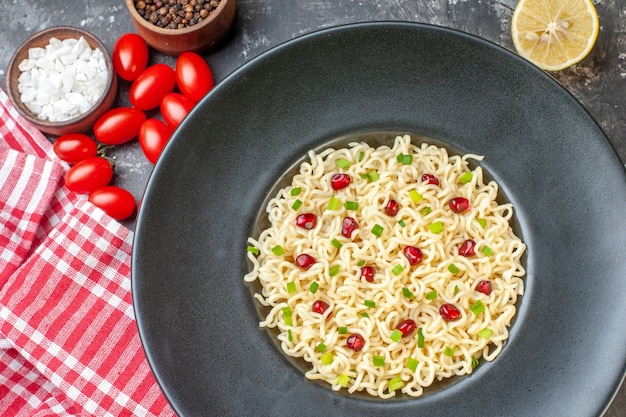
column 598, row 82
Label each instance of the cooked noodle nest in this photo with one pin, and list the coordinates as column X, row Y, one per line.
column 437, row 349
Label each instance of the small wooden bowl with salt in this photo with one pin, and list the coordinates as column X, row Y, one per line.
column 61, row 80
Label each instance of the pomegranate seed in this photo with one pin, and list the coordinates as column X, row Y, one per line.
column 407, row 327
column 349, row 225
column 413, row 254
column 467, row 248
column 355, row 342
column 319, row 307
column 459, row 204
column 306, row 221
column 304, row 261
column 339, row 181
column 484, row 286
column 392, row 208
column 449, row 312
column 430, row 179
column 367, row 273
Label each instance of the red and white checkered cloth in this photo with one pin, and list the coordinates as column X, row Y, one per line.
column 68, row 339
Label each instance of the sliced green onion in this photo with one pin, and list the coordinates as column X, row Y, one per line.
column 407, row 293
column 334, row 204
column 351, row 205
column 431, row 295
column 343, row 380
column 334, row 270
column 420, row 338
column 327, row 358
column 369, row 303
column 377, row 230
column 378, row 360
column 478, row 307
column 342, row 163
column 289, row 335
column 401, row 223
column 361, row 263
column 336, row 243
column 486, row 250
column 396, row 335
column 475, row 363
column 482, row 222
column 485, row 333
column 364, row 314
column 278, row 250
column 321, row 347
column 314, row 287
column 395, row 383
column 426, row 210
column 397, row 270
column 415, row 196
column 373, row 176
column 449, row 351
column 253, row 250
column 405, row 159
column 465, row 178
column 342, row 330
column 296, row 204
column 295, row 191
column 291, row 287
column 287, row 316
column 436, row 227
column 411, row 364
column 361, row 155
column 453, row 269
column 456, row 289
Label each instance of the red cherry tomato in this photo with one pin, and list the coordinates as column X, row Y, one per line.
column 153, row 136
column 151, row 85
column 118, row 125
column 193, row 76
column 74, row 147
column 88, row 175
column 174, row 108
column 130, row 56
column 115, row 201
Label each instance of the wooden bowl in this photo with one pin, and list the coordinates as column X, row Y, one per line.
column 81, row 123
column 197, row 38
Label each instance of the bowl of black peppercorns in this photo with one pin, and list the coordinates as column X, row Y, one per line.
column 176, row 26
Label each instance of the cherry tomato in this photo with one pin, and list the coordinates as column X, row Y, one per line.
column 151, row 85
column 118, row 125
column 193, row 76
column 174, row 108
column 74, row 147
column 88, row 175
column 153, row 136
column 115, row 201
column 130, row 56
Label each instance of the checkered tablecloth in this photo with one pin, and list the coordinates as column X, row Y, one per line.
column 68, row 339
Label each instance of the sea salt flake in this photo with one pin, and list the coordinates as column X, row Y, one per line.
column 45, row 63
column 68, row 59
column 36, row 53
column 26, row 65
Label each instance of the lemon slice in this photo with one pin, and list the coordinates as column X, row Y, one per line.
column 554, row 34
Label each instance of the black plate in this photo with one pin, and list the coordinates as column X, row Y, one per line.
column 567, row 349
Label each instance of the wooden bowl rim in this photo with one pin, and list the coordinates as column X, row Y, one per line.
column 130, row 4
column 42, row 38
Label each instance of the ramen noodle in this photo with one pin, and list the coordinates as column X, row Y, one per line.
column 418, row 286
